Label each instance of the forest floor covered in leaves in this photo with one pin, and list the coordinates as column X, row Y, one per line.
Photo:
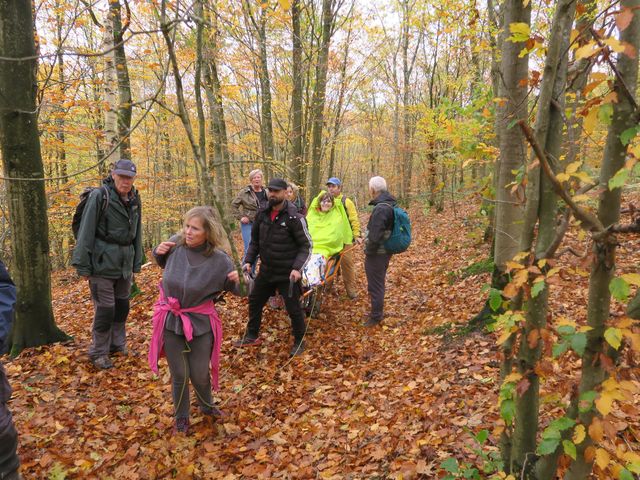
column 392, row 401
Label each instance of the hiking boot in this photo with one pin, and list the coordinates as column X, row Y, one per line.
column 102, row 362
column 372, row 323
column 247, row 342
column 181, row 426
column 213, row 412
column 121, row 351
column 297, row 348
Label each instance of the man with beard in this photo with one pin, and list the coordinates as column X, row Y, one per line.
column 281, row 239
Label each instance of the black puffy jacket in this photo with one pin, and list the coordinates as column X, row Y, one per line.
column 283, row 244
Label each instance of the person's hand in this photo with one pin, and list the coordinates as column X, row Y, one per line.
column 244, row 220
column 246, row 268
column 233, row 276
column 295, row 275
column 164, row 247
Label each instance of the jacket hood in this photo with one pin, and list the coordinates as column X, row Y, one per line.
column 385, row 197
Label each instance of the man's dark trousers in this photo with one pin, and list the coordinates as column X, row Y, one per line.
column 263, row 288
column 9, row 462
column 375, row 266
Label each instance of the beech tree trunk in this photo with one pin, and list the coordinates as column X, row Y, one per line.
column 540, row 209
column 319, row 93
column 299, row 169
column 603, row 266
column 124, row 108
column 20, row 145
column 509, row 207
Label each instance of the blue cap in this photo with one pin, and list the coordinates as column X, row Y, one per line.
column 334, row 181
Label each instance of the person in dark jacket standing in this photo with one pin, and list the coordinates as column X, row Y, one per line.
column 281, row 238
column 376, row 260
column 108, row 251
column 9, row 462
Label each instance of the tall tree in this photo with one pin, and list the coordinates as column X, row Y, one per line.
column 266, row 122
column 408, row 63
column 299, row 169
column 319, row 93
column 124, row 108
column 625, row 117
column 22, row 162
column 540, row 210
column 509, row 195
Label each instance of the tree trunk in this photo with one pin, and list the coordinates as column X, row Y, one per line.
column 512, row 158
column 299, row 170
column 509, row 209
column 540, row 209
column 20, row 144
column 319, row 94
column 61, row 153
column 603, row 266
column 221, row 159
column 579, row 75
column 266, row 123
column 341, row 93
column 122, row 75
column 204, row 180
column 408, row 61
column 110, row 94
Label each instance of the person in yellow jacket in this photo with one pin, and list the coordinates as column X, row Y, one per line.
column 347, row 262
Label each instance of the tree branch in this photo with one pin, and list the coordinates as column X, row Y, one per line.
column 589, row 221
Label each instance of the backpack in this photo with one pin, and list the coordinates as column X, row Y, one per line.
column 400, row 238
column 84, row 196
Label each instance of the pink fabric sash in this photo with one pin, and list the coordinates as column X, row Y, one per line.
column 165, row 305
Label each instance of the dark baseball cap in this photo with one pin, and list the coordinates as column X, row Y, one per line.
column 334, row 181
column 277, row 184
column 125, row 167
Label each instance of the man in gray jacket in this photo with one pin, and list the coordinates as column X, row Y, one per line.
column 376, row 259
column 108, row 251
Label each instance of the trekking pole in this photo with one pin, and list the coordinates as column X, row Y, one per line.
column 291, row 284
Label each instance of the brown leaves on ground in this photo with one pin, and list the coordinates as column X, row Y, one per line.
column 392, row 401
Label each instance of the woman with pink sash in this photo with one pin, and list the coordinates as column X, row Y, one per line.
column 186, row 326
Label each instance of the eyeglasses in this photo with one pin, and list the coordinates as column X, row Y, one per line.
column 327, row 201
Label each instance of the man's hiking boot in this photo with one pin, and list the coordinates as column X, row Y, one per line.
column 102, row 362
column 181, row 426
column 247, row 342
column 120, row 351
column 297, row 348
column 372, row 323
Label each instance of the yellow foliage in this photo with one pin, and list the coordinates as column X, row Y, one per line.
column 587, row 50
column 579, row 434
column 591, row 119
column 602, row 458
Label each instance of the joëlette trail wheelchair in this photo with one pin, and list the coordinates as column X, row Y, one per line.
column 312, row 295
